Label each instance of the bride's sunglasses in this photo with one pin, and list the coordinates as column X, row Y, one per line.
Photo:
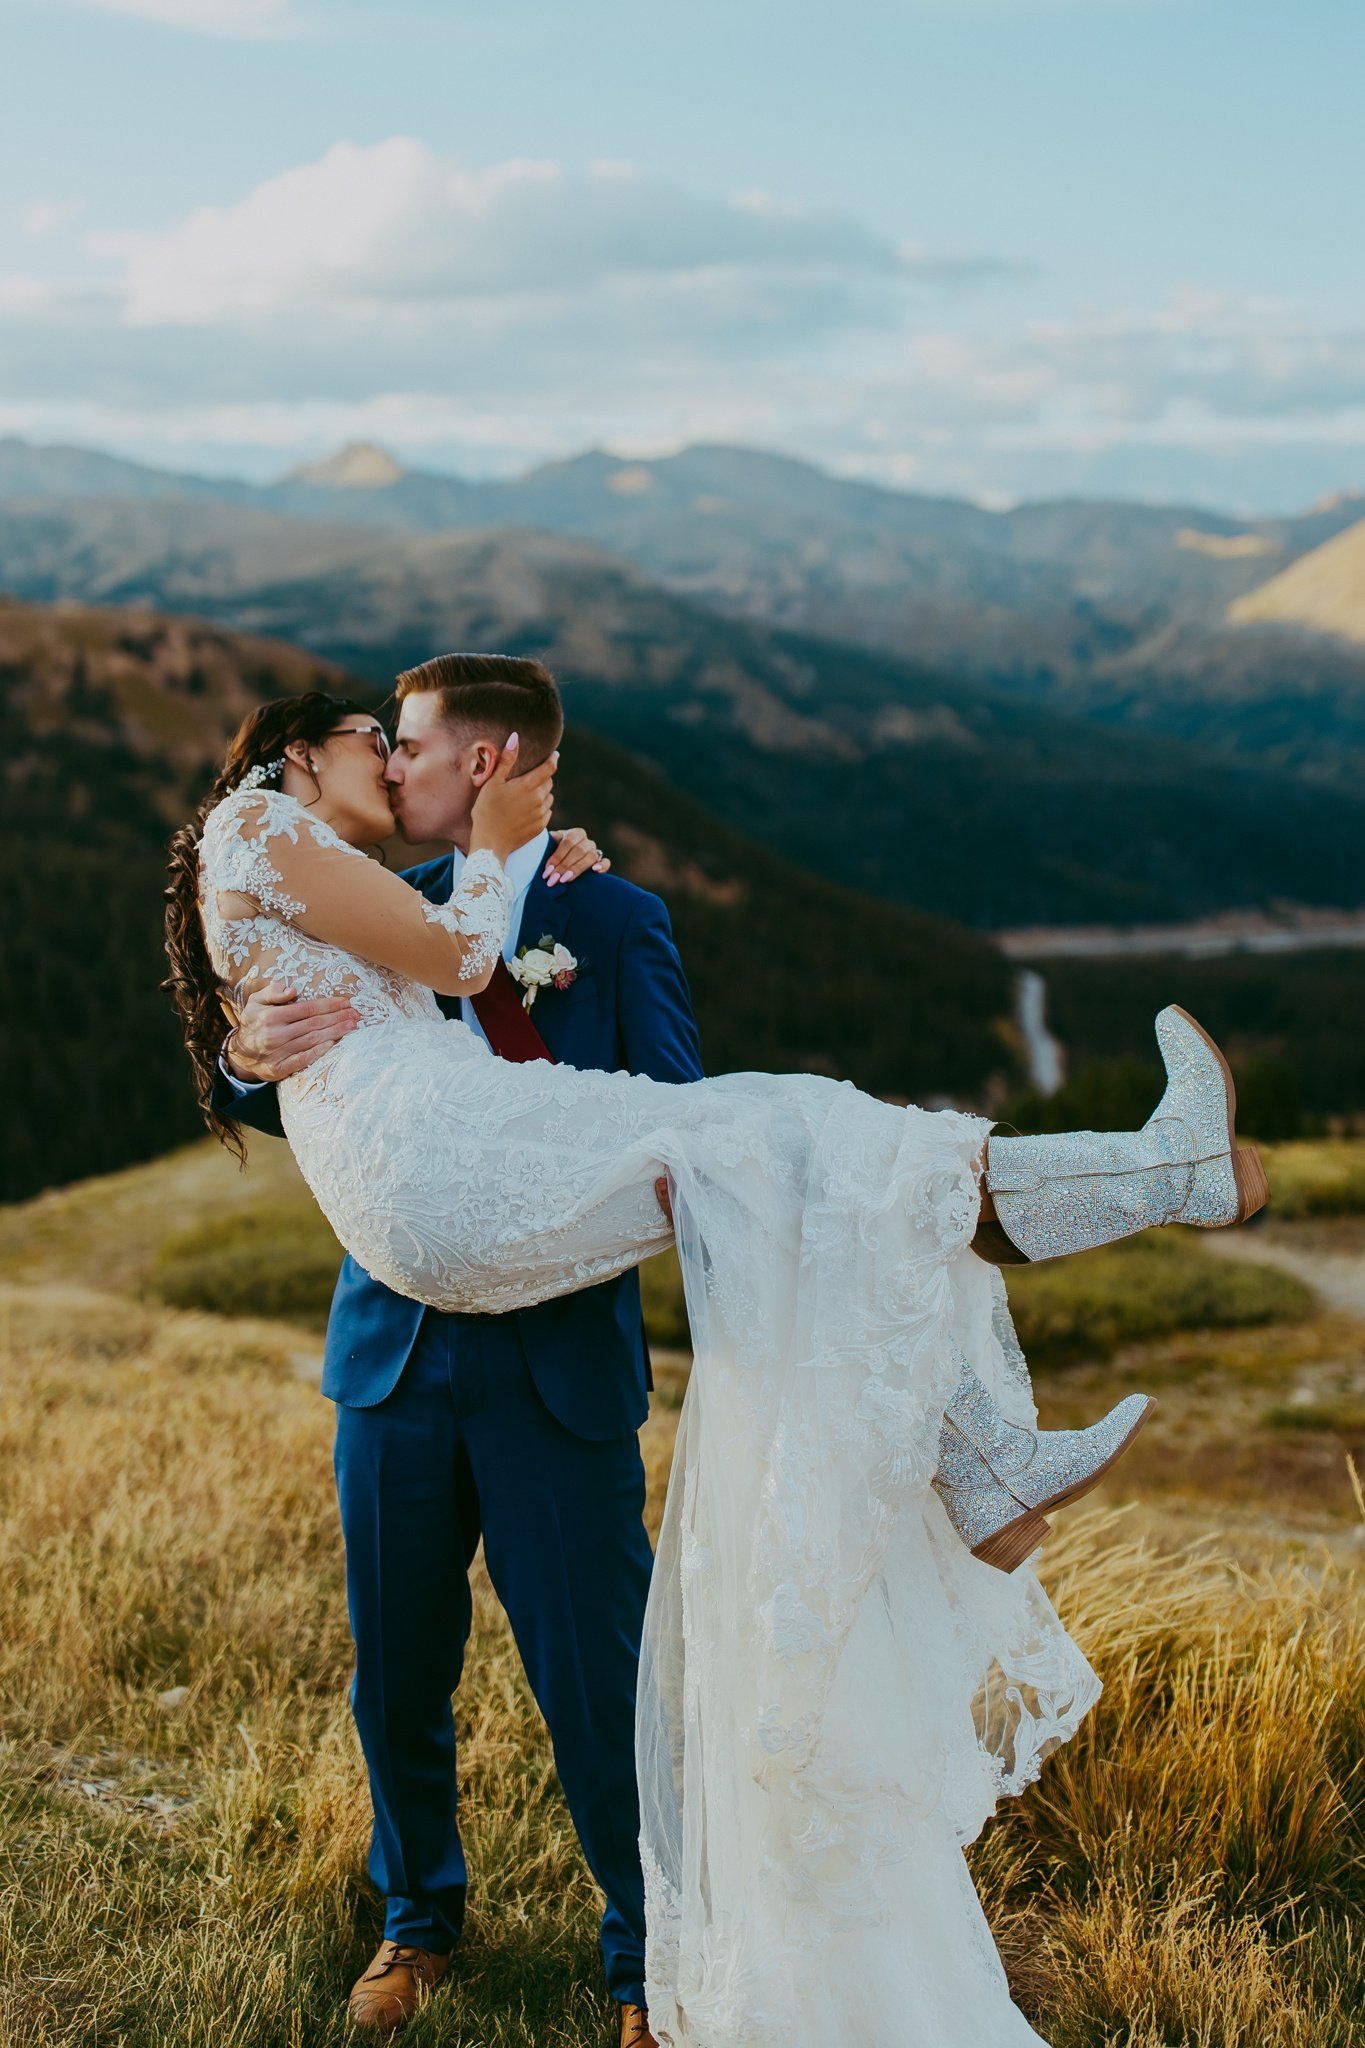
column 375, row 734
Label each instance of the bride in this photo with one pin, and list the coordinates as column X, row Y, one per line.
column 835, row 1687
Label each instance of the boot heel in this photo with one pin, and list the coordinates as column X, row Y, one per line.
column 1008, row 1547
column 1253, row 1189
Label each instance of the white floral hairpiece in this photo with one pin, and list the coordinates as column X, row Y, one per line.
column 263, row 772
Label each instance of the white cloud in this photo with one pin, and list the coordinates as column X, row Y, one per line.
column 249, row 20
column 24, row 298
column 1198, row 366
column 394, row 224
column 489, row 316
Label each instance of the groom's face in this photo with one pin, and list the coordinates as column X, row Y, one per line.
column 434, row 773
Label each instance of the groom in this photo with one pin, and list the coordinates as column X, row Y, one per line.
column 518, row 1428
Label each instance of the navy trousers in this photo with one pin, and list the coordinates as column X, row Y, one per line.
column 464, row 1445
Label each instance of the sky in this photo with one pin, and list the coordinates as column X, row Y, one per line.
column 1002, row 249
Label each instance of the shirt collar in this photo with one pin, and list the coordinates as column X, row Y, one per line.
column 522, row 866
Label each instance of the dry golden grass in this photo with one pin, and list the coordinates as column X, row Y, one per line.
column 1189, row 1870
column 108, row 1232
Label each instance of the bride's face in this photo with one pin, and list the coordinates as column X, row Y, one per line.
column 341, row 779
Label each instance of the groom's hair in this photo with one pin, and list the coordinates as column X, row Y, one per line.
column 490, row 695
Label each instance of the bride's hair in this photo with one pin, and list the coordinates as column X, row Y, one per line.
column 259, row 742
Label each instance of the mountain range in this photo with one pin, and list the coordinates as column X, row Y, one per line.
column 1126, row 615
column 684, row 515
column 974, row 801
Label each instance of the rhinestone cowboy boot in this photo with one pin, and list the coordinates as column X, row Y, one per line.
column 1070, row 1192
column 997, row 1480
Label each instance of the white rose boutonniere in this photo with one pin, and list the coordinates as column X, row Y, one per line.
column 548, row 965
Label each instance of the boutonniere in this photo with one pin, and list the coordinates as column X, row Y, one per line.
column 548, row 965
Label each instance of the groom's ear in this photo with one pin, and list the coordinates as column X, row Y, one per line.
column 482, row 761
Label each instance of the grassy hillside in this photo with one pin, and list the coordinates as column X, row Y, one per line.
column 183, row 1815
column 111, row 724
column 192, row 1231
column 1323, row 591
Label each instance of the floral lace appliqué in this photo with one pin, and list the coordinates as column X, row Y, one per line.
column 478, row 910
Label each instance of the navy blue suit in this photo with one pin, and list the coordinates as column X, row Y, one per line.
column 520, row 1429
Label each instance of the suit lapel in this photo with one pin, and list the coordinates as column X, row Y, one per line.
column 543, row 910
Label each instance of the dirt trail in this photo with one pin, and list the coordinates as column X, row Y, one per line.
column 1328, row 1256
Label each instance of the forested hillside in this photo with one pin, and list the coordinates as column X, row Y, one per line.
column 107, row 724
column 1289, row 1022
column 111, row 722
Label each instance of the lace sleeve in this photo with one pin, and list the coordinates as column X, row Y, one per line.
column 269, row 848
column 480, row 908
column 237, row 850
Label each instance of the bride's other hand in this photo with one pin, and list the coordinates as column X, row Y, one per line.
column 510, row 808
column 573, row 854
column 278, row 1033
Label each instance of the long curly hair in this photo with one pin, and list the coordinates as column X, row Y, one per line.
column 194, row 987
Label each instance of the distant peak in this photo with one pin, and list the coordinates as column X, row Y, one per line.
column 363, row 466
column 1334, row 501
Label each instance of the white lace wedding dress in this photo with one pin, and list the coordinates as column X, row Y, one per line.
column 834, row 1694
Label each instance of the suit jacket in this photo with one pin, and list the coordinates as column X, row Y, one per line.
column 629, row 1007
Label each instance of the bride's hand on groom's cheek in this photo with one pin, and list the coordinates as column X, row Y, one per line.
column 278, row 1033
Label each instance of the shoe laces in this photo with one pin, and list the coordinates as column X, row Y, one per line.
column 393, row 1955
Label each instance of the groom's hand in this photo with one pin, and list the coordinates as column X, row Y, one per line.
column 665, row 1199
column 279, row 1033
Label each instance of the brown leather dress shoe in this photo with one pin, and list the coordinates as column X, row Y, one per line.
column 398, row 1981
column 635, row 2028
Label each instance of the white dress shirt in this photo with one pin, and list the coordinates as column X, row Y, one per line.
column 522, row 868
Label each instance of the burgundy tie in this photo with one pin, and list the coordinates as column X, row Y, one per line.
column 506, row 1025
